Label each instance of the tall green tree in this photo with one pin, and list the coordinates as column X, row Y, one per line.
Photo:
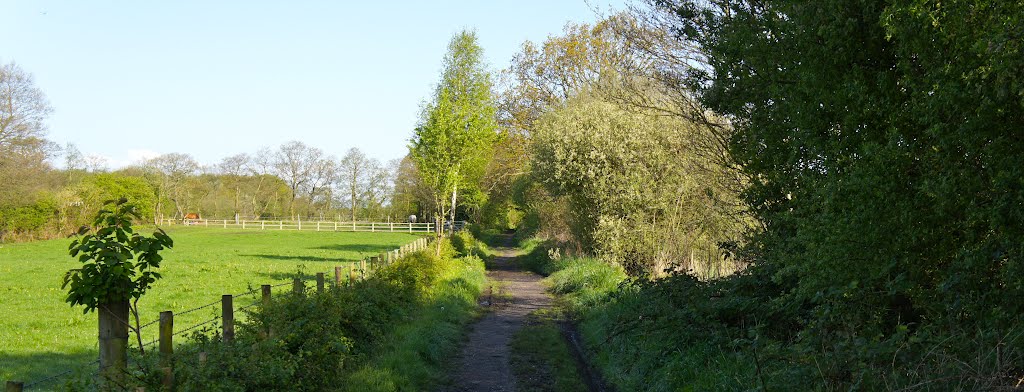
column 457, row 128
column 883, row 140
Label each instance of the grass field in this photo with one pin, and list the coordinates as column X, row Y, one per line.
column 40, row 334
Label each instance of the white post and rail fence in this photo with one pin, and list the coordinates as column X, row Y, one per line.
column 316, row 225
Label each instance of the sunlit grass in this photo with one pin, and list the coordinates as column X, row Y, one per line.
column 40, row 334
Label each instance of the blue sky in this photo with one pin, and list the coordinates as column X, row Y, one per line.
column 131, row 79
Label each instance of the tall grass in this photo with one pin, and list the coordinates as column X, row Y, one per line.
column 417, row 352
column 584, row 282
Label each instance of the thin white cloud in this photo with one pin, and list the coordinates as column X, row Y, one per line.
column 141, row 154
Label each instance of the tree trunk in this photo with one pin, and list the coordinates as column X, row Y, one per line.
column 455, row 191
column 353, row 198
column 113, row 336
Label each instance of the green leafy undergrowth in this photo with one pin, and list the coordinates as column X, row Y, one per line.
column 746, row 332
column 391, row 331
column 415, row 353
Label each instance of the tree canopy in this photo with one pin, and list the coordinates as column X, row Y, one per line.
column 457, row 127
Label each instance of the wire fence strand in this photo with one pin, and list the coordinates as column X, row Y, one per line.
column 178, row 333
column 198, row 308
column 57, row 376
column 48, row 380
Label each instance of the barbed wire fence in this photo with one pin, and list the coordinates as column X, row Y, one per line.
column 356, row 271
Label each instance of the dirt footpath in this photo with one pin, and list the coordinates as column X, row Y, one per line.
column 484, row 364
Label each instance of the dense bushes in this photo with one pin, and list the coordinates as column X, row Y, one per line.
column 880, row 147
column 748, row 331
column 55, row 214
column 27, row 221
column 415, row 354
column 638, row 194
column 391, row 331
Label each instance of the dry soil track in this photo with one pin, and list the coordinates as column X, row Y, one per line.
column 484, row 363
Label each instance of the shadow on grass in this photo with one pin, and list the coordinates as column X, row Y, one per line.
column 303, row 258
column 45, row 371
column 358, row 248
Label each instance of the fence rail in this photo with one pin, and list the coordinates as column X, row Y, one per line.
column 394, row 227
column 341, row 274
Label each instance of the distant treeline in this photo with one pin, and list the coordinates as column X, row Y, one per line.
column 57, row 201
column 294, row 181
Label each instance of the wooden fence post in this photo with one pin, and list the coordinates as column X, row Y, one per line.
column 227, row 310
column 14, row 386
column 297, row 286
column 352, row 272
column 320, row 282
column 243, row 224
column 167, row 348
column 266, row 302
column 113, row 342
column 337, row 276
column 263, row 225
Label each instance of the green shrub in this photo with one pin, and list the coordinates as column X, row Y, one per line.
column 463, row 243
column 488, row 236
column 391, row 331
column 418, row 351
column 29, row 219
column 107, row 186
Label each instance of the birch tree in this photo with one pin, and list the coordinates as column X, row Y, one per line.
column 457, row 127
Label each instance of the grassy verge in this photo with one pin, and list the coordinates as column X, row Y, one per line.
column 636, row 343
column 416, row 352
column 40, row 334
column 390, row 332
column 746, row 332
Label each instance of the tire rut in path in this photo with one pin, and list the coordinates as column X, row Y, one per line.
column 484, row 364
